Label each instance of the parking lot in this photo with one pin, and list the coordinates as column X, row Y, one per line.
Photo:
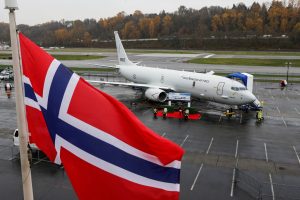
column 224, row 158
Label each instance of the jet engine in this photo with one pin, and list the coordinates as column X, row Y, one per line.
column 156, row 94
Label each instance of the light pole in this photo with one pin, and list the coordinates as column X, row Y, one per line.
column 12, row 5
column 288, row 64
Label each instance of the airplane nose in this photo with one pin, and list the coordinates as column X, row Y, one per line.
column 249, row 97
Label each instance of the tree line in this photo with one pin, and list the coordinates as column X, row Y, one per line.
column 275, row 19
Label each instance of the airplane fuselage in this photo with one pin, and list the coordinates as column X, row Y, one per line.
column 203, row 86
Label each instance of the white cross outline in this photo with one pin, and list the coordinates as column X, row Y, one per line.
column 99, row 134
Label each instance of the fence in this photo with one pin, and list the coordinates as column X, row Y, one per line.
column 104, row 76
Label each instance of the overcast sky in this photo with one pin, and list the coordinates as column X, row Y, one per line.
column 39, row 11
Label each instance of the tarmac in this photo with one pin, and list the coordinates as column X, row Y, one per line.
column 178, row 62
column 224, row 158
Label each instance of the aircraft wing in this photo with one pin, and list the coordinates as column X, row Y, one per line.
column 131, row 84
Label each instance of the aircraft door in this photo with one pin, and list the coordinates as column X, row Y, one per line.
column 220, row 88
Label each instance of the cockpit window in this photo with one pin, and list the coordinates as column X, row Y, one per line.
column 235, row 88
column 238, row 88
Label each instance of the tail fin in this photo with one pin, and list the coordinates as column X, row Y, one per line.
column 122, row 56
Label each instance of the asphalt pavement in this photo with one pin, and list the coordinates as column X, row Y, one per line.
column 259, row 157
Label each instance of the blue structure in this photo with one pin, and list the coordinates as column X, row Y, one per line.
column 242, row 77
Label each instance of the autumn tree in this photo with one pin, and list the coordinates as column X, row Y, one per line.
column 130, row 31
column 274, row 16
column 216, row 23
column 87, row 38
column 4, row 32
column 166, row 25
column 77, row 31
column 254, row 20
column 154, row 27
column 295, row 34
column 144, row 26
column 62, row 36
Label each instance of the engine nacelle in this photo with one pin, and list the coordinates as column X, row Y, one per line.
column 156, row 94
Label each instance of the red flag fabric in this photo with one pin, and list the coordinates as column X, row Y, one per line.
column 106, row 151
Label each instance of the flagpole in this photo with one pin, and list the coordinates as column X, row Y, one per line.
column 20, row 108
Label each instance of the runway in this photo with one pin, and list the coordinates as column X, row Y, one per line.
column 177, row 62
column 266, row 154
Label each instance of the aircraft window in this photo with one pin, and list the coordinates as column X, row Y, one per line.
column 235, row 88
column 243, row 88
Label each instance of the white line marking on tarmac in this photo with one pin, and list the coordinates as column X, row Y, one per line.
column 297, row 111
column 266, row 152
column 146, row 111
column 284, row 122
column 278, row 110
column 197, row 177
column 211, row 141
column 220, row 118
column 233, row 182
column 233, row 177
column 296, row 154
column 184, row 140
column 236, row 148
column 208, row 56
column 163, row 135
column 288, row 98
column 272, row 188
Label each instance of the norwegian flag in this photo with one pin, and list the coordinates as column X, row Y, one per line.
column 106, row 151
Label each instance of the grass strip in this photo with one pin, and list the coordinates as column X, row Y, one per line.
column 81, row 69
column 245, row 62
column 264, row 75
column 77, row 57
column 61, row 57
column 256, row 53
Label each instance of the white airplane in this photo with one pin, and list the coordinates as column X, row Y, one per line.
column 157, row 82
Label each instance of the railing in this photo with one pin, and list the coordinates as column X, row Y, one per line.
column 104, row 76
